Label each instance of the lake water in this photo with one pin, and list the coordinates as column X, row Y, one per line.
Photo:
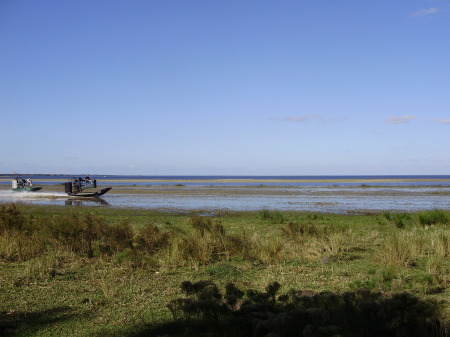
column 336, row 194
column 292, row 181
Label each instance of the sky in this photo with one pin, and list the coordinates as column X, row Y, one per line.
column 235, row 87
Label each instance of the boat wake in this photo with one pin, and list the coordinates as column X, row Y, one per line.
column 25, row 195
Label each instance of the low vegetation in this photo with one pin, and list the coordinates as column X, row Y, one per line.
column 300, row 313
column 111, row 272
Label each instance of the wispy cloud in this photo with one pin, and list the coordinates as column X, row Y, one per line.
column 400, row 119
column 305, row 119
column 443, row 121
column 425, row 12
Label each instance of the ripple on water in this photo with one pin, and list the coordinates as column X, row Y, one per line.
column 336, row 200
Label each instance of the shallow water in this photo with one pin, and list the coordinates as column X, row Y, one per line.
column 317, row 199
column 243, row 181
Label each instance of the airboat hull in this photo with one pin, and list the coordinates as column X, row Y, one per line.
column 26, row 189
column 90, row 194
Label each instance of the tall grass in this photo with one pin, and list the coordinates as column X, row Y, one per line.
column 206, row 241
column 434, row 217
column 440, row 240
column 18, row 246
column 333, row 245
column 396, row 251
column 313, row 240
column 209, row 243
column 275, row 217
column 89, row 235
column 296, row 231
column 401, row 220
column 432, row 247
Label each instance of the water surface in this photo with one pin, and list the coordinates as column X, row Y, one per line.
column 338, row 199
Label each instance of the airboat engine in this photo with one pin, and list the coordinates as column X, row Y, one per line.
column 68, row 187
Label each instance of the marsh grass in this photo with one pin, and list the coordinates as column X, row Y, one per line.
column 434, row 217
column 41, row 268
column 209, row 243
column 408, row 248
column 275, row 217
column 396, row 250
column 295, row 231
column 313, row 240
column 125, row 265
column 400, row 220
column 205, row 244
column 440, row 241
column 266, row 250
column 17, row 246
column 333, row 245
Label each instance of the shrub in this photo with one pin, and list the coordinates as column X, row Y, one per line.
column 82, row 235
column 11, row 218
column 151, row 240
column 119, row 236
column 201, row 224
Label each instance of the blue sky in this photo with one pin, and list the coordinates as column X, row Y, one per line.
column 225, row 87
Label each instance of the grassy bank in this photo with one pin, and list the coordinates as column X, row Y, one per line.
column 109, row 272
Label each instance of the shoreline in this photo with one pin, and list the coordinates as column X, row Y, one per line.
column 256, row 189
column 254, row 180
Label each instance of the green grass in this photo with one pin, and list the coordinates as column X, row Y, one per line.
column 112, row 272
column 433, row 217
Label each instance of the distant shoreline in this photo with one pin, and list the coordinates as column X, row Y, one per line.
column 261, row 180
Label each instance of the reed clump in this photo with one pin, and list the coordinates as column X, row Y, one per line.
column 424, row 239
column 434, row 217
column 210, row 243
column 424, row 218
column 275, row 217
column 313, row 240
column 401, row 220
column 396, row 250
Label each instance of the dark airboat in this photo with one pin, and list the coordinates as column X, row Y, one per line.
column 79, row 187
